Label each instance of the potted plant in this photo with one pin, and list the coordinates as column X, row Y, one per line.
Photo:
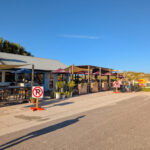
column 63, row 96
column 68, row 94
column 32, row 100
column 71, row 84
column 57, row 95
column 59, row 86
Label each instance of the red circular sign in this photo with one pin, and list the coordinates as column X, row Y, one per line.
column 116, row 84
column 37, row 91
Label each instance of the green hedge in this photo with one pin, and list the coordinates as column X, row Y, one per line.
column 146, row 89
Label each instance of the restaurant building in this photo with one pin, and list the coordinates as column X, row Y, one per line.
column 42, row 68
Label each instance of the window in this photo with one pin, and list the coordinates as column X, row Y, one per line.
column 9, row 77
column 39, row 78
column 51, row 82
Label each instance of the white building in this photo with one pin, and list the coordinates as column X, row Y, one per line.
column 43, row 67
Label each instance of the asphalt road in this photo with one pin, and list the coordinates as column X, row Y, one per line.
column 123, row 126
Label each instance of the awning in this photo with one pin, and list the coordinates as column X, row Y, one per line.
column 4, row 66
column 75, row 69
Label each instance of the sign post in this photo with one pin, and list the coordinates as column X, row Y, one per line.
column 116, row 85
column 37, row 103
column 37, row 92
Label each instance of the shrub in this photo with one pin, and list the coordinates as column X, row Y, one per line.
column 146, row 89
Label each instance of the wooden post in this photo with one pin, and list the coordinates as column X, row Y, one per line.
column 37, row 102
column 69, row 73
column 32, row 82
column 91, row 74
column 116, row 90
column 88, row 74
column 72, row 70
column 110, row 79
column 100, row 79
column 32, row 75
column 88, row 79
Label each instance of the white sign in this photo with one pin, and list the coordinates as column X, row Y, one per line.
column 37, row 91
column 116, row 84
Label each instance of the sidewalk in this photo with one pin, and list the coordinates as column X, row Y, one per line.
column 18, row 117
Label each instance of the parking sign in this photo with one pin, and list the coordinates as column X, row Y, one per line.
column 37, row 91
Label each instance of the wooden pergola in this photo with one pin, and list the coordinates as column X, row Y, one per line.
column 100, row 70
column 90, row 70
column 75, row 69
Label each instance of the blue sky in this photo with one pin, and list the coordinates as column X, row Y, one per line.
column 108, row 33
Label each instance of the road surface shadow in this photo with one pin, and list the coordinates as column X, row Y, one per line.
column 40, row 132
column 62, row 104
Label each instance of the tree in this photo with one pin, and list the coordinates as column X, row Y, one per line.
column 22, row 51
column 14, row 48
column 1, row 44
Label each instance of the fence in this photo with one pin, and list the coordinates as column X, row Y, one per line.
column 14, row 94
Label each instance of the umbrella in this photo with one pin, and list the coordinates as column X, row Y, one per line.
column 96, row 73
column 114, row 74
column 24, row 70
column 107, row 74
column 60, row 71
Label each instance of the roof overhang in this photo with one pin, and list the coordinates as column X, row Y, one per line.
column 4, row 66
column 75, row 69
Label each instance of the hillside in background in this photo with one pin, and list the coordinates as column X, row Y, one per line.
column 14, row 48
column 136, row 75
